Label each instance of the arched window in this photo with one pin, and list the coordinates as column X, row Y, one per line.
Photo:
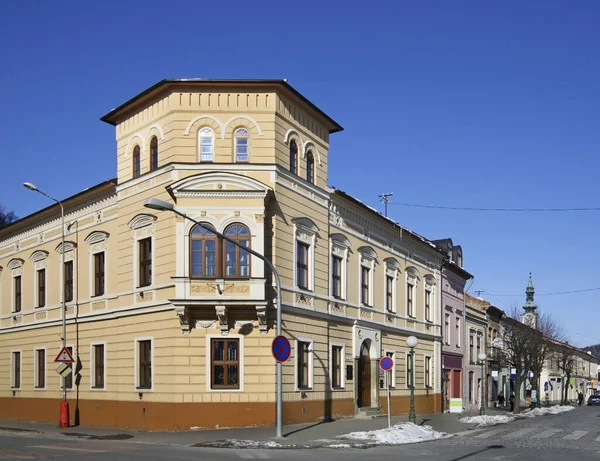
column 206, row 140
column 237, row 261
column 154, row 153
column 203, row 252
column 293, row 156
column 310, row 167
column 241, row 145
column 136, row 162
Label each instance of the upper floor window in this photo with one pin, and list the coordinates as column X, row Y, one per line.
column 471, row 347
column 389, row 293
column 478, row 346
column 304, row 253
column 203, row 252
column 447, row 330
column 99, row 274
column 392, row 269
column 457, row 340
column 145, row 262
column 293, row 157
column 41, row 287
column 211, row 256
column 98, row 246
column 154, row 153
column 310, row 167
column 336, row 276
column 302, row 264
column 428, row 305
column 206, row 140
column 365, row 276
column 68, row 287
column 241, row 145
column 237, row 261
column 136, row 162
column 17, row 294
column 410, row 294
column 367, row 258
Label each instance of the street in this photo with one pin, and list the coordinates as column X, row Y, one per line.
column 550, row 438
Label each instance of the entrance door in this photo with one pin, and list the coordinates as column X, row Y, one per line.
column 364, row 377
column 456, row 384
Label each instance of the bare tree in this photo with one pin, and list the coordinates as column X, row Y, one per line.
column 515, row 339
column 565, row 355
column 6, row 217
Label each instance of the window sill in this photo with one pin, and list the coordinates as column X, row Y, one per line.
column 95, row 388
column 304, row 389
column 144, row 388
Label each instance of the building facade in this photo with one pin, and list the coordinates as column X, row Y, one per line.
column 454, row 278
column 475, row 369
column 173, row 325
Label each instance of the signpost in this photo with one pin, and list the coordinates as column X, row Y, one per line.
column 386, row 364
column 281, row 348
column 64, row 356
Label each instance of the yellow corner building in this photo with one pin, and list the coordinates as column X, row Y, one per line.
column 174, row 326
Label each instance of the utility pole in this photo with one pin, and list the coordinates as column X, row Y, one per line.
column 385, row 199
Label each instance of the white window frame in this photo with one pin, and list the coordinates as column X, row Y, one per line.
column 342, row 366
column 209, row 338
column 305, row 231
column 93, row 366
column 339, row 247
column 430, row 286
column 428, row 382
column 237, row 135
column 136, row 370
column 391, row 271
column 35, row 368
column 393, row 370
column 16, row 270
column 69, row 255
column 412, row 278
column 447, row 328
column 97, row 243
column 12, row 369
column 142, row 227
column 206, row 132
column 39, row 261
column 311, row 375
column 367, row 259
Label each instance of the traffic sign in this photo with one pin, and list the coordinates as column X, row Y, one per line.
column 281, row 348
column 64, row 356
column 63, row 369
column 386, row 363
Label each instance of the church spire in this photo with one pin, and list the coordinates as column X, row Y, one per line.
column 529, row 305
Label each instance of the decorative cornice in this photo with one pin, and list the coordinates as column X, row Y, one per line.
column 56, row 223
column 221, row 194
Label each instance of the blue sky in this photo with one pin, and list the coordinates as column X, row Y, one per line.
column 461, row 103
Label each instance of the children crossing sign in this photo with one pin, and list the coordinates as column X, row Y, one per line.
column 64, row 356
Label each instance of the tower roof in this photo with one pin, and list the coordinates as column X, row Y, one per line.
column 529, row 305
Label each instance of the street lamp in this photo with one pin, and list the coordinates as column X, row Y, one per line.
column 562, row 389
column 64, row 405
column 482, row 358
column 589, row 372
column 161, row 205
column 411, row 342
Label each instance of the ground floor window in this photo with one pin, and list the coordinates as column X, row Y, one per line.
column 225, row 363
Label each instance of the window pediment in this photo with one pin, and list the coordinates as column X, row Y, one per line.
column 368, row 253
column 412, row 273
column 69, row 246
column 392, row 263
column 306, row 226
column 430, row 279
column 15, row 263
column 96, row 237
column 218, row 184
column 340, row 240
column 142, row 220
column 39, row 255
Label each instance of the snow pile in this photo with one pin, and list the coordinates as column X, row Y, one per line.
column 487, row 420
column 554, row 410
column 398, row 434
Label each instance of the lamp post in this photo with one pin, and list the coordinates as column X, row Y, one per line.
column 589, row 386
column 562, row 389
column 64, row 405
column 161, row 205
column 482, row 358
column 411, row 342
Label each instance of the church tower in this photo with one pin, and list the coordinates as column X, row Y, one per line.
column 530, row 316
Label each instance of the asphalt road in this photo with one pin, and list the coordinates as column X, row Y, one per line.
column 551, row 438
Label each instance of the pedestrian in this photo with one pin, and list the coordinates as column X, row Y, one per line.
column 580, row 398
column 512, row 402
column 501, row 398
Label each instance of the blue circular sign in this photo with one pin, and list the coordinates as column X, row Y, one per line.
column 386, row 363
column 281, row 348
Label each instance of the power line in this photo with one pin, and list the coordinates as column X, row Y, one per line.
column 515, row 210
column 546, row 294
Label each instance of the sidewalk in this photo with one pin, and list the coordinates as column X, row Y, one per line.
column 302, row 434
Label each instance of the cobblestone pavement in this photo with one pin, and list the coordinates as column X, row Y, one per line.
column 575, row 430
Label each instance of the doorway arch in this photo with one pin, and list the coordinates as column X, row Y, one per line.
column 364, row 375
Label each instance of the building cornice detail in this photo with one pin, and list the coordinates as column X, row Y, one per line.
column 56, row 223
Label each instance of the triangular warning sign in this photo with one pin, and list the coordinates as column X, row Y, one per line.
column 64, row 356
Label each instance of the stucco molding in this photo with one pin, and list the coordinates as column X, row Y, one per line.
column 96, row 237
column 196, row 119
column 141, row 220
column 244, row 117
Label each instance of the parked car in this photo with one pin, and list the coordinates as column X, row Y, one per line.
column 594, row 399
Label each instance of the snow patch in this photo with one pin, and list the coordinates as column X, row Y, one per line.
column 339, row 445
column 554, row 410
column 398, row 434
column 487, row 420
